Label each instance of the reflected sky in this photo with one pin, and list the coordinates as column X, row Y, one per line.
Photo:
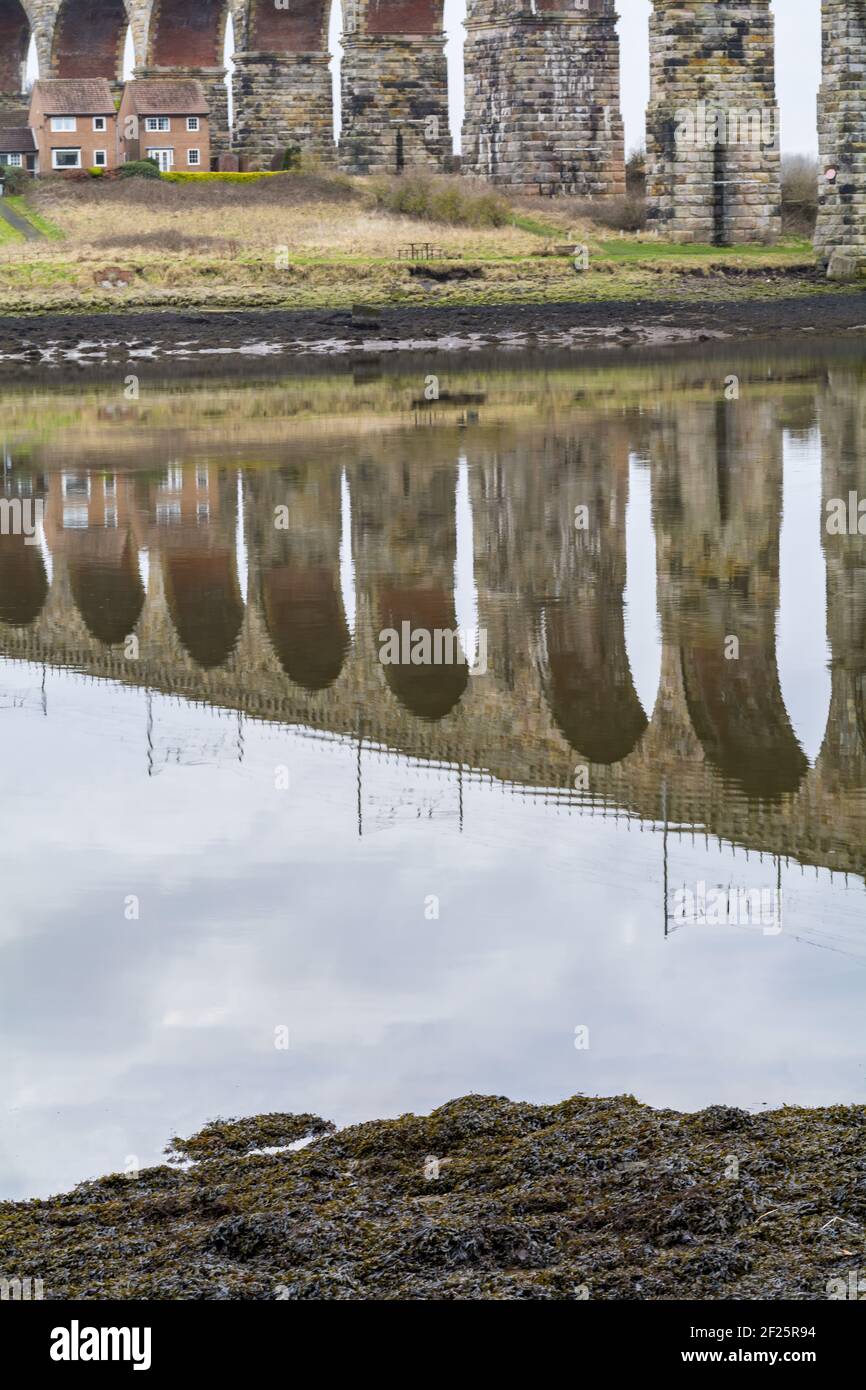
column 308, row 906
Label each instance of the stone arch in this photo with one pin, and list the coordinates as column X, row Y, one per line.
column 14, row 42
column 187, row 33
column 205, row 604
column 106, row 584
column 23, row 581
column 306, row 623
column 88, row 39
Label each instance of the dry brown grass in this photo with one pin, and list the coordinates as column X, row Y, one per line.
column 314, row 217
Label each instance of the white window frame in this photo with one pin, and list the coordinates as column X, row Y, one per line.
column 66, row 150
column 192, row 124
column 157, row 123
column 63, row 124
column 13, row 160
column 100, row 163
column 154, row 152
column 100, row 123
column 193, row 163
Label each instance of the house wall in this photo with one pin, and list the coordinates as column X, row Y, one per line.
column 177, row 138
column 84, row 138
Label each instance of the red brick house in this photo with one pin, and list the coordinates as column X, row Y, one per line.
column 17, row 145
column 166, row 119
column 74, row 124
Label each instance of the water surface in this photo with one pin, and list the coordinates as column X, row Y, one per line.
column 243, row 828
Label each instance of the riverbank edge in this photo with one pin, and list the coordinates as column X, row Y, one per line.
column 103, row 338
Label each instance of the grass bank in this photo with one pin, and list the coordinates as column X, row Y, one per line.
column 308, row 241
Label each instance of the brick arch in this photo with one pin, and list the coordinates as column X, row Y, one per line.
column 738, row 714
column 187, row 33
column 301, row 28
column 404, row 17
column 88, row 39
column 587, row 678
column 14, row 41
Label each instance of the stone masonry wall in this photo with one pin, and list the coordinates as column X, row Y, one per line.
column 395, row 105
column 394, row 87
column 543, row 97
column 713, row 164
column 841, row 225
column 282, row 100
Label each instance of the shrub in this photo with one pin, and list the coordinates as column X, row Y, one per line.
column 438, row 198
column 799, row 194
column 14, row 178
column 217, row 176
column 96, row 171
column 139, row 168
column 635, row 172
column 626, row 214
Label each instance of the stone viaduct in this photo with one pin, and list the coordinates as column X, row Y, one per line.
column 542, row 94
column 284, row 636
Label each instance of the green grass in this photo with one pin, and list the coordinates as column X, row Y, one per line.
column 624, row 249
column 536, row 228
column 19, row 204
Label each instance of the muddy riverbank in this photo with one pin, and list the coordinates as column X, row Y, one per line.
column 483, row 1199
column 118, row 338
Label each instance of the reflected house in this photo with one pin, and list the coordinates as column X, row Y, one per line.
column 719, row 502
column 89, row 527
column 192, row 516
column 299, row 577
column 406, row 550
column 586, row 673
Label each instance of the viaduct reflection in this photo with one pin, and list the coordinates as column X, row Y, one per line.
column 267, row 590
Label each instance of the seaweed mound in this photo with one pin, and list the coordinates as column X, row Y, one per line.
column 485, row 1198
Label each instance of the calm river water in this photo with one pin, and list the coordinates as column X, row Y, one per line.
column 256, row 858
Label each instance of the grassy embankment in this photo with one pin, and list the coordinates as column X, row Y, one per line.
column 311, row 241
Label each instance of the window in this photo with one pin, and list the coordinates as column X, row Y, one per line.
column 99, row 159
column 63, row 123
column 157, row 123
column 173, row 480
column 192, row 122
column 193, row 157
column 76, row 484
column 66, row 159
column 99, row 123
column 13, row 160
